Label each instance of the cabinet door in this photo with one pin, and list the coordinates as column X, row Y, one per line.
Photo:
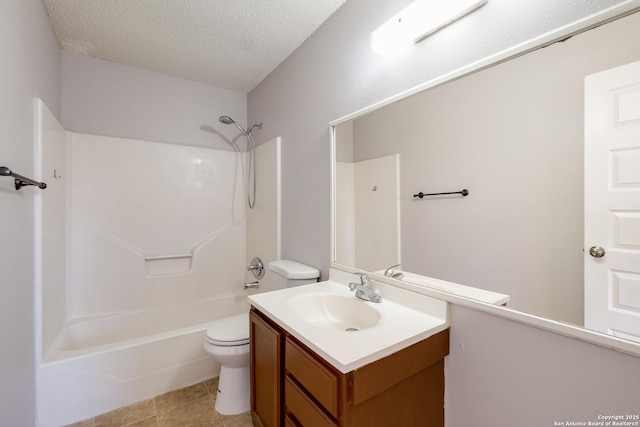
column 266, row 372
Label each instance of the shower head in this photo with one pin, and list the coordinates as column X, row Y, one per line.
column 251, row 147
column 226, row 120
column 229, row 121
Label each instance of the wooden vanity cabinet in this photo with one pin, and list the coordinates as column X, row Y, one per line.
column 266, row 371
column 292, row 386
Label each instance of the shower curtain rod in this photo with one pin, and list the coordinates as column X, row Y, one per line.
column 21, row 181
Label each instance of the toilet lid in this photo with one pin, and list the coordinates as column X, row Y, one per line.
column 229, row 331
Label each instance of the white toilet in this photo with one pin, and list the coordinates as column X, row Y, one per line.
column 228, row 340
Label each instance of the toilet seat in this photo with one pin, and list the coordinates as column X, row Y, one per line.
column 229, row 332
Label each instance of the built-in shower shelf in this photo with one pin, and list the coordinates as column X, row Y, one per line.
column 168, row 264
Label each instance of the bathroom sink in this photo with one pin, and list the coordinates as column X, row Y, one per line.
column 334, row 312
column 320, row 315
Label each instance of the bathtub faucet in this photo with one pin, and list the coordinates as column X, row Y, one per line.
column 251, row 285
column 256, row 268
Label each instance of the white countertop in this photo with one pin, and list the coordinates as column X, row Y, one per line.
column 407, row 318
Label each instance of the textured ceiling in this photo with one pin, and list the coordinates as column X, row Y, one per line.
column 232, row 44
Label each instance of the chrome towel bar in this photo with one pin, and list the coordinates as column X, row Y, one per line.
column 464, row 193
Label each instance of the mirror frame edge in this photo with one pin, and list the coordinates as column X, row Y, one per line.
column 566, row 329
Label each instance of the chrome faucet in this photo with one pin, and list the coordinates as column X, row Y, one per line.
column 391, row 272
column 364, row 290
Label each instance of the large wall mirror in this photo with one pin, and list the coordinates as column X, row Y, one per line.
column 514, row 135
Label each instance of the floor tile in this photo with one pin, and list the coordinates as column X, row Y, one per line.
column 242, row 420
column 147, row 422
column 199, row 413
column 126, row 415
column 189, row 406
column 179, row 397
column 85, row 423
column 212, row 386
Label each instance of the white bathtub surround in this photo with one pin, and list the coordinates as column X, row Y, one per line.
column 152, row 224
column 50, row 254
column 104, row 333
column 142, row 246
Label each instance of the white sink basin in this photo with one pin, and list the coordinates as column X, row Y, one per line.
column 320, row 316
column 334, row 312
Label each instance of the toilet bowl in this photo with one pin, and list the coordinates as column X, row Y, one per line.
column 228, row 342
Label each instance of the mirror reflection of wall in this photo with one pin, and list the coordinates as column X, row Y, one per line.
column 513, row 135
column 367, row 208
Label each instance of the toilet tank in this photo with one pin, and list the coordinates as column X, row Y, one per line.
column 286, row 273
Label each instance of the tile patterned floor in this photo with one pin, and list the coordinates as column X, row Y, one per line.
column 188, row 407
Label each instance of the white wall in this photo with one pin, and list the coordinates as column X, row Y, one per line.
column 30, row 68
column 334, row 73
column 104, row 98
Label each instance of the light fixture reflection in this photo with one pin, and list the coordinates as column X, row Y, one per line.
column 419, row 20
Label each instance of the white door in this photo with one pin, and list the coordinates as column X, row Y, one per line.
column 612, row 201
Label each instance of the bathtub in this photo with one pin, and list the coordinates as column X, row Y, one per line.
column 103, row 363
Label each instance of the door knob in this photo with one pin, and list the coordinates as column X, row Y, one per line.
column 597, row 251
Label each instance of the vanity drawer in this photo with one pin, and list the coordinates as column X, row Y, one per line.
column 315, row 378
column 289, row 422
column 300, row 409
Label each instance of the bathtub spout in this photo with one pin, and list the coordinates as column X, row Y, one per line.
column 251, row 285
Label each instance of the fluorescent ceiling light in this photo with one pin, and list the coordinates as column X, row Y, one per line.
column 419, row 20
